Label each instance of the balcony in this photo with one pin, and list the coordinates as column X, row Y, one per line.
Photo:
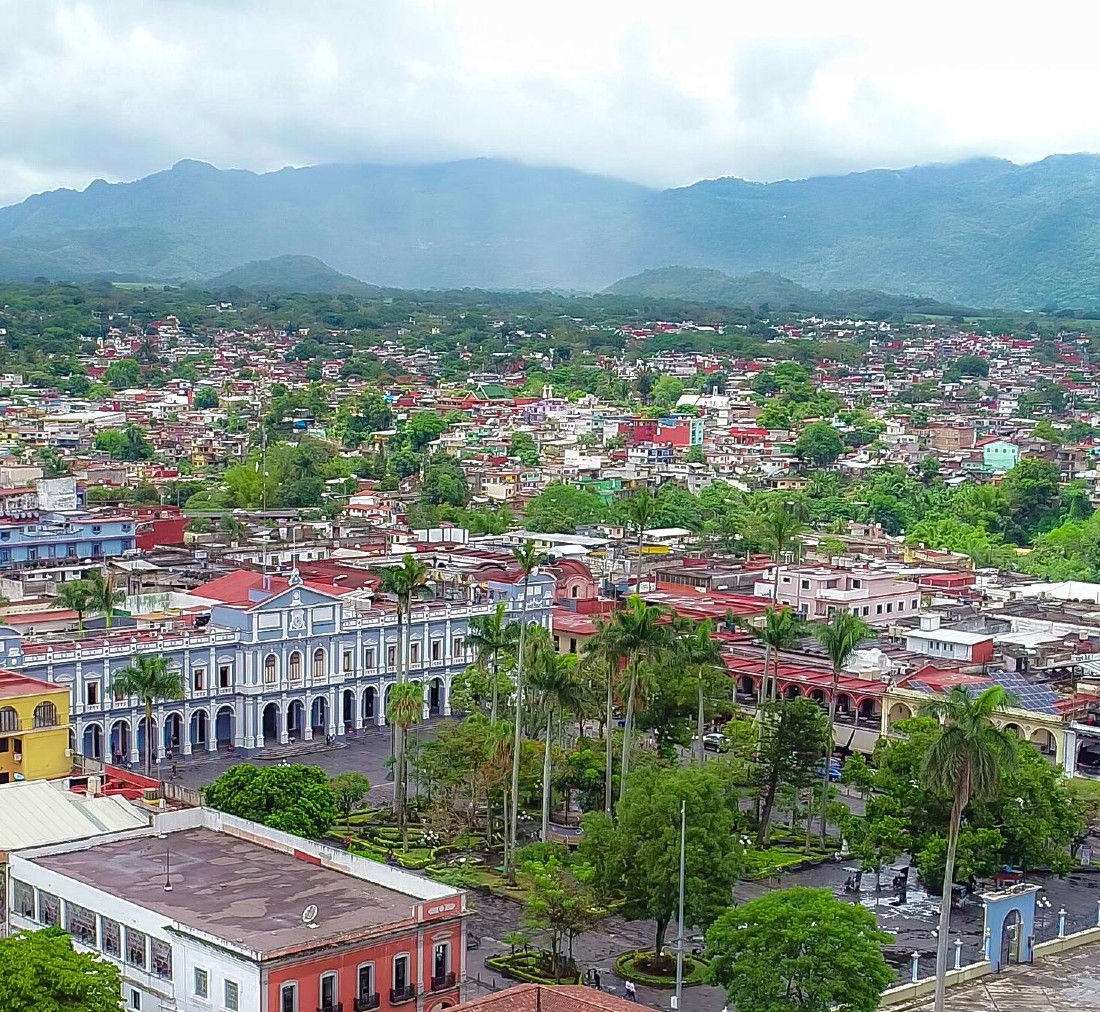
column 366, row 1002
column 402, row 994
column 443, row 982
column 334, row 1007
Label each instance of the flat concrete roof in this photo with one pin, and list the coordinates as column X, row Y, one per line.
column 234, row 889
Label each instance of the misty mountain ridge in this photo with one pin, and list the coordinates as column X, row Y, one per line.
column 982, row 232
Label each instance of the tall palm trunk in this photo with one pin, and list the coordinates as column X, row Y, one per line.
column 547, row 769
column 608, row 774
column 514, row 820
column 628, row 730
column 494, row 709
column 699, row 724
column 828, row 758
column 399, row 785
column 148, row 734
column 957, row 808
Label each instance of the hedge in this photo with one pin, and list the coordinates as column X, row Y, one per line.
column 695, row 970
column 522, row 966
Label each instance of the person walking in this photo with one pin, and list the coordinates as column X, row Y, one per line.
column 631, row 990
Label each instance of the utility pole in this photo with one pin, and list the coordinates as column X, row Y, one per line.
column 680, row 921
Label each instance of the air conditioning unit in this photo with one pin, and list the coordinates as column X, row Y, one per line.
column 18, row 757
column 68, row 753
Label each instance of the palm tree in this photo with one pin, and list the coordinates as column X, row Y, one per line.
column 527, row 556
column 640, row 510
column 75, row 595
column 695, row 648
column 840, row 637
column 639, row 634
column 151, row 680
column 103, row 595
column 783, row 629
column 403, row 582
column 605, row 650
column 965, row 763
column 781, row 526
column 490, row 636
column 552, row 678
column 405, row 708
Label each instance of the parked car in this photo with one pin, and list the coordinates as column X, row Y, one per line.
column 715, row 741
column 834, row 770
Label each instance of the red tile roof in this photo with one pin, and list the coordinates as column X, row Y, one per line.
column 541, row 998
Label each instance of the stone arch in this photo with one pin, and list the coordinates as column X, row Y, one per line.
column 225, row 726
column 899, row 711
column 370, row 704
column 1043, row 739
column 791, row 691
column 437, row 696
column 844, row 704
column 199, row 730
column 1015, row 729
column 270, row 722
column 141, row 735
column 818, row 696
column 120, row 740
column 869, row 708
column 45, row 714
column 173, row 731
column 296, row 718
column 9, row 719
column 746, row 685
column 347, row 709
column 318, row 714
column 92, row 741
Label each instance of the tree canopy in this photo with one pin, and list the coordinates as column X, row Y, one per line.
column 40, row 971
column 294, row 799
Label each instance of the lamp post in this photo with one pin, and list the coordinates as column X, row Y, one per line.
column 680, row 918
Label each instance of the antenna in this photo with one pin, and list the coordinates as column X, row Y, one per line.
column 309, row 915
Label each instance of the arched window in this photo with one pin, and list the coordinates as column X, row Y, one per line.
column 45, row 715
column 270, row 668
column 295, row 666
column 319, row 664
column 9, row 719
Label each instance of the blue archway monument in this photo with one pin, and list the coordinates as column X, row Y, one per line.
column 1010, row 925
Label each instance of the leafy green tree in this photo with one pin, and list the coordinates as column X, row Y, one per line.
column 152, row 680
column 294, row 799
column 205, row 399
column 523, row 446
column 123, row 374
column 644, row 859
column 1032, row 494
column 129, row 443
column 799, row 950
column 52, row 463
column 444, row 482
column 964, row 762
column 560, row 905
column 560, row 508
column 40, row 971
column 667, row 391
column 351, row 790
column 794, row 734
column 423, row 428
column 818, row 445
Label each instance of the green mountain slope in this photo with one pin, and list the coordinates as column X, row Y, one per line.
column 984, row 232
column 291, row 274
column 695, row 284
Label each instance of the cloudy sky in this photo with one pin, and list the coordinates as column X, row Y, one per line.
column 662, row 93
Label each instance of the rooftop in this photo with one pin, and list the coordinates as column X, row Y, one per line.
column 235, row 889
column 13, row 685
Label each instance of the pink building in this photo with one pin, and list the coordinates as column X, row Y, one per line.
column 815, row 592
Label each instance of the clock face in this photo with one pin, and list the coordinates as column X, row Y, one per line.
column 298, row 620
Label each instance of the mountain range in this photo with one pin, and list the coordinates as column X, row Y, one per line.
column 984, row 232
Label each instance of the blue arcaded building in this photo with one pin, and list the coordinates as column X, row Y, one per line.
column 279, row 659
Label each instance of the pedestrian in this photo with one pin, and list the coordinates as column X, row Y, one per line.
column 631, row 990
column 596, row 979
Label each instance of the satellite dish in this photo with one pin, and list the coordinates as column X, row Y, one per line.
column 309, row 914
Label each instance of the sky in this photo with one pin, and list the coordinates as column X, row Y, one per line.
column 663, row 93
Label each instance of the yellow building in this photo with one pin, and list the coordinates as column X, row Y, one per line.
column 34, row 728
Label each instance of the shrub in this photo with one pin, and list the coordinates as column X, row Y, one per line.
column 642, row 967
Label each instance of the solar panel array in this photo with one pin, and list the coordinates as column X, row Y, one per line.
column 1027, row 695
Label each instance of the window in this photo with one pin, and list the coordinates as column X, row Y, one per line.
column 161, row 953
column 365, row 981
column 9, row 719
column 232, row 996
column 901, row 606
column 914, row 603
column 575, row 590
column 135, row 948
column 202, row 983
column 391, row 657
column 135, row 999
column 857, row 584
column 198, row 677
column 572, row 645
column 457, row 647
column 328, row 991
column 437, row 650
column 49, row 909
column 319, row 664
column 805, row 584
column 23, row 899
column 80, row 923
column 368, row 657
column 45, row 715
column 866, row 610
column 889, row 607
column 401, row 973
column 112, row 937
column 91, row 693
column 270, row 620
column 414, row 652
column 440, row 964
column 269, row 669
column 348, row 660
column 288, row 998
column 878, row 609
column 295, row 666
column 225, row 676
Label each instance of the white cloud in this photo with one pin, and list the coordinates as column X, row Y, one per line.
column 657, row 92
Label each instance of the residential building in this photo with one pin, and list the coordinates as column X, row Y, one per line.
column 65, row 536
column 878, row 596
column 276, row 924
column 34, row 728
column 956, row 645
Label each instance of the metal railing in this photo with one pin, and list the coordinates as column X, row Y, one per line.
column 367, row 1002
column 400, row 994
column 443, row 982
